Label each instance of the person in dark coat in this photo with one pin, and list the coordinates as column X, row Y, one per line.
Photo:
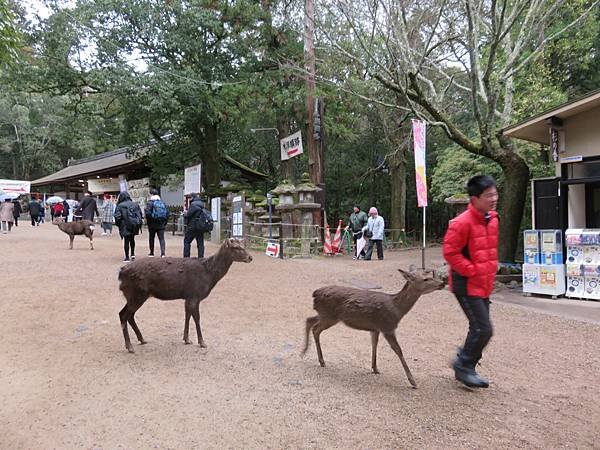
column 17, row 211
column 34, row 212
column 156, row 226
column 87, row 207
column 196, row 207
column 66, row 209
column 127, row 231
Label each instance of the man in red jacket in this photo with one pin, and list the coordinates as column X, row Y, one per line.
column 471, row 250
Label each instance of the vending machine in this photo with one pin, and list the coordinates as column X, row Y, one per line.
column 575, row 281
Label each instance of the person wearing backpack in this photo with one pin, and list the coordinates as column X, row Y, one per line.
column 197, row 221
column 128, row 217
column 157, row 216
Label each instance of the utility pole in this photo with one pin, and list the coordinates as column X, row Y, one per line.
column 314, row 126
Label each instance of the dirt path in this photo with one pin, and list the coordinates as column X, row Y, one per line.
column 66, row 380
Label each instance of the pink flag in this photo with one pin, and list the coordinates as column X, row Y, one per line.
column 419, row 132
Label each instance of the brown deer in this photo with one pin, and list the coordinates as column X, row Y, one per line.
column 79, row 228
column 361, row 309
column 189, row 279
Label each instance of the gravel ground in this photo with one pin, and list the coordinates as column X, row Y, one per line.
column 66, row 380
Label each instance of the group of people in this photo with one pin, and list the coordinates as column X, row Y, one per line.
column 10, row 210
column 127, row 216
column 471, row 250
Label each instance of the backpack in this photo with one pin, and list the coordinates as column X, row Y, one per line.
column 58, row 209
column 203, row 222
column 159, row 210
column 133, row 217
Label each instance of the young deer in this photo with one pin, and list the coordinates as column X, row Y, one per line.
column 376, row 312
column 190, row 279
column 79, row 228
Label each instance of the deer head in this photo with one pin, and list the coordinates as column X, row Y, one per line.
column 424, row 281
column 236, row 250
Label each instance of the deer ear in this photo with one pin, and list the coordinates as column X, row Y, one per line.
column 407, row 275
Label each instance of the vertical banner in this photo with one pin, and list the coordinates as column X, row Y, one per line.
column 419, row 135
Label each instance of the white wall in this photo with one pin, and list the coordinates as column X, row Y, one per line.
column 582, row 135
column 576, row 206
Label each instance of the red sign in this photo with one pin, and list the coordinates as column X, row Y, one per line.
column 272, row 249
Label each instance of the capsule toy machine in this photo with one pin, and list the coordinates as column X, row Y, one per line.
column 552, row 280
column 531, row 278
column 531, row 247
column 575, row 281
column 575, row 248
column 551, row 247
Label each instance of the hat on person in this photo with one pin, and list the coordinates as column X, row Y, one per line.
column 373, row 211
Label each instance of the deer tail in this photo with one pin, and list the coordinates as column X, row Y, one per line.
column 310, row 323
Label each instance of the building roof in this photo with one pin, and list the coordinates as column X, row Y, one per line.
column 535, row 128
column 118, row 161
column 101, row 163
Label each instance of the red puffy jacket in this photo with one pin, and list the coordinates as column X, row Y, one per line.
column 471, row 250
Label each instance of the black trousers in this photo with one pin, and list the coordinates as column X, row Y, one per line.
column 152, row 232
column 477, row 310
column 129, row 244
column 190, row 235
column 34, row 220
column 379, row 244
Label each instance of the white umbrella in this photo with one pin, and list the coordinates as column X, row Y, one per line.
column 54, row 199
column 9, row 195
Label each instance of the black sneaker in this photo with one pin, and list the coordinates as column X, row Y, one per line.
column 132, row 257
column 150, row 255
column 126, row 260
column 467, row 375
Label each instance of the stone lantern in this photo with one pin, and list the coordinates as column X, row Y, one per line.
column 458, row 202
column 286, row 206
column 308, row 212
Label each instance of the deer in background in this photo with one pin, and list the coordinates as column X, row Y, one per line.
column 79, row 228
column 376, row 312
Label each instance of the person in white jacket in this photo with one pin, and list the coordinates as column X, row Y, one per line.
column 374, row 231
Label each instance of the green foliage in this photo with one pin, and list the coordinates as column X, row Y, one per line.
column 10, row 37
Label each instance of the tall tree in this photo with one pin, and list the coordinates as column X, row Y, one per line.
column 445, row 57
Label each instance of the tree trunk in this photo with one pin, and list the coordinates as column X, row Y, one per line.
column 210, row 156
column 512, row 203
column 397, row 166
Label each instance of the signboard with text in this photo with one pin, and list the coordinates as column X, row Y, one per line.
column 15, row 186
column 192, row 180
column 291, row 146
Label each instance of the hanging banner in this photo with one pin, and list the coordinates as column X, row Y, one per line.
column 15, row 186
column 419, row 135
column 291, row 146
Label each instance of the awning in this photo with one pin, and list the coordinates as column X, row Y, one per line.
column 535, row 129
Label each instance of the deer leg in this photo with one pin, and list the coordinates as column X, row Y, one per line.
column 124, row 316
column 91, row 243
column 134, row 326
column 310, row 322
column 391, row 338
column 186, row 327
column 374, row 342
column 196, row 316
column 71, row 242
column 321, row 326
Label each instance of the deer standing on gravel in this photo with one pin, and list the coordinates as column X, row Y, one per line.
column 79, row 228
column 189, row 279
column 361, row 309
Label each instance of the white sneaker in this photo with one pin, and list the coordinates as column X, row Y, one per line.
column 103, row 234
